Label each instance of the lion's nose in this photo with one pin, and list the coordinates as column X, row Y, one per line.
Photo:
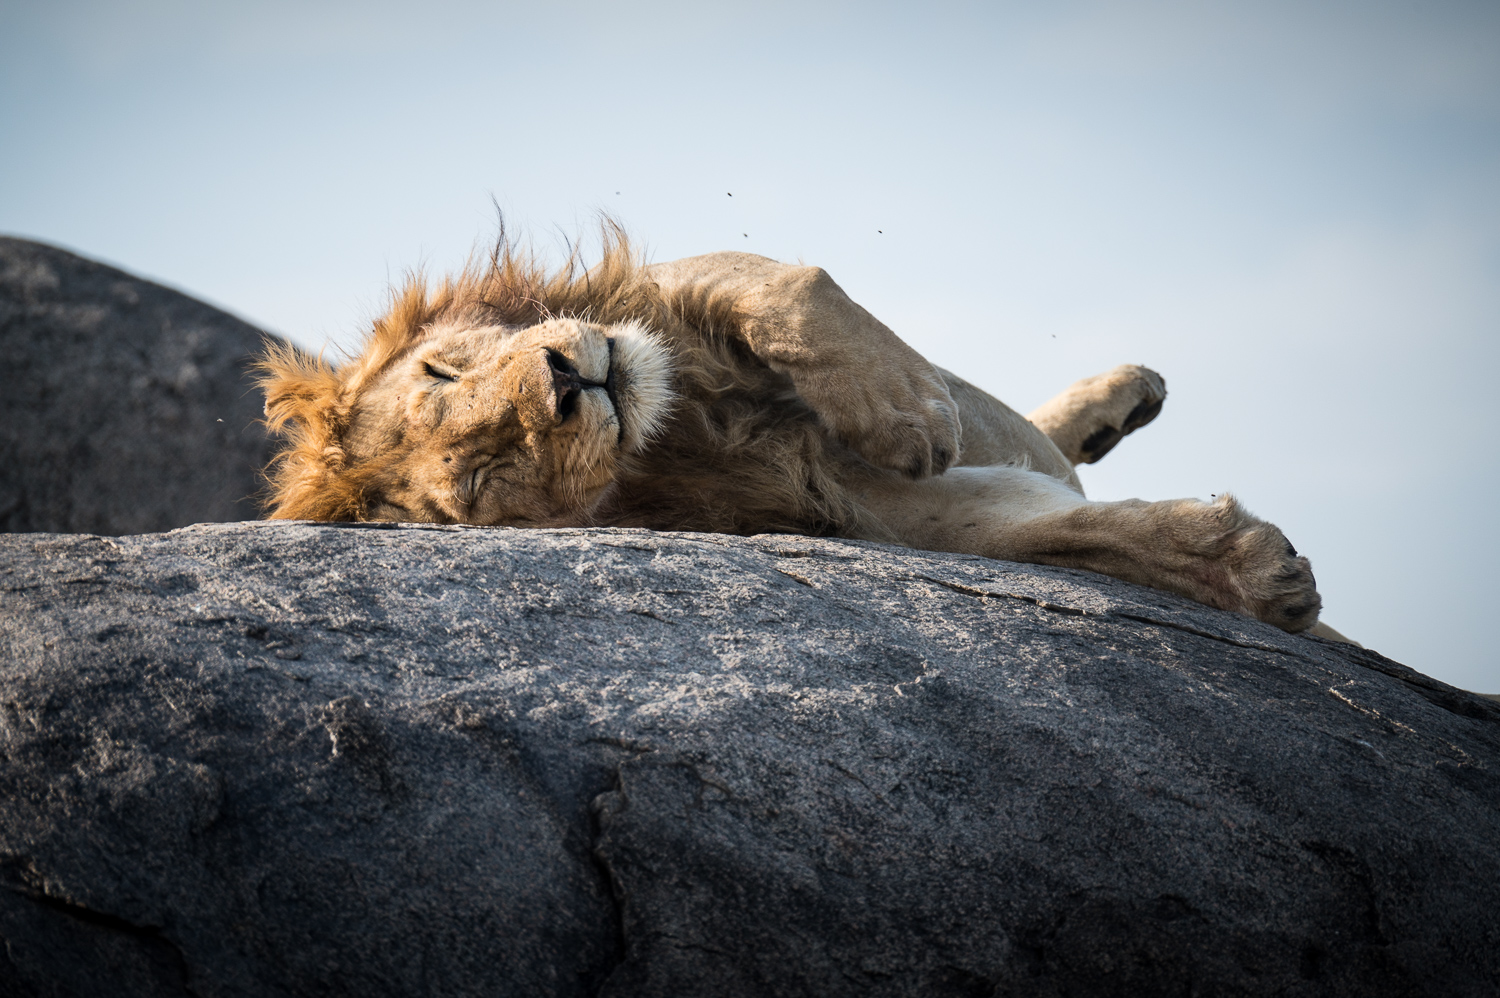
column 565, row 384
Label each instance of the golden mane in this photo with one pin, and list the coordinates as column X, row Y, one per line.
column 309, row 401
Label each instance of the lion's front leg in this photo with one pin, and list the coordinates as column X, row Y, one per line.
column 1215, row 553
column 874, row 392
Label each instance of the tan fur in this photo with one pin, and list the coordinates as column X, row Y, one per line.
column 731, row 393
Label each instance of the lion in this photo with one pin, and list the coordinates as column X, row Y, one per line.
column 734, row 394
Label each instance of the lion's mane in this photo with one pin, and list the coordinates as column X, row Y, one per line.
column 739, row 453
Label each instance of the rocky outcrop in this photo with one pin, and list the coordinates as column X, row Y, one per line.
column 293, row 759
column 127, row 406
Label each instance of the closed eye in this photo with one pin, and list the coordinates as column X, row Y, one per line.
column 440, row 373
column 467, row 489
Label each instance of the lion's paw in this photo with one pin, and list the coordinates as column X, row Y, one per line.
column 897, row 416
column 1126, row 399
column 1259, row 569
column 1094, row 414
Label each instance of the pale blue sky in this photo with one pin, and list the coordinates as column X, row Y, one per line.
column 1291, row 210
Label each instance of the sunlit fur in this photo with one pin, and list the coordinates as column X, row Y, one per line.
column 720, row 443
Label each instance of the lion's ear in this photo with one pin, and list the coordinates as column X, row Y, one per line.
column 305, row 403
column 303, row 395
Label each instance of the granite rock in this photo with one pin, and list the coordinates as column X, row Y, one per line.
column 313, row 759
column 127, row 406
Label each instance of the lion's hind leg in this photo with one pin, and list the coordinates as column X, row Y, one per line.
column 1094, row 414
column 1215, row 553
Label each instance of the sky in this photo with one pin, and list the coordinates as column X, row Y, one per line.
column 1290, row 210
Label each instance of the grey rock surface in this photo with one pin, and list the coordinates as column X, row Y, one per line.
column 299, row 759
column 125, row 405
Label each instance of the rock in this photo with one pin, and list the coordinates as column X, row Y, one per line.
column 126, row 405
column 303, row 759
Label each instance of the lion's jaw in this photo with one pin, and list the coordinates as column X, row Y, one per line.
column 490, row 425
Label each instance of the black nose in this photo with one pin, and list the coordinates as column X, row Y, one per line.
column 565, row 383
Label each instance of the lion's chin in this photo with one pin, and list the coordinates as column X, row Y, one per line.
column 639, row 384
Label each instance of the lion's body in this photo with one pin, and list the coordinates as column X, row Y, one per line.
column 730, row 393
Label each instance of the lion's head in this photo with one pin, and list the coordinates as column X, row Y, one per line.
column 484, row 401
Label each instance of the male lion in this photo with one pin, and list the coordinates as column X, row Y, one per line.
column 732, row 393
